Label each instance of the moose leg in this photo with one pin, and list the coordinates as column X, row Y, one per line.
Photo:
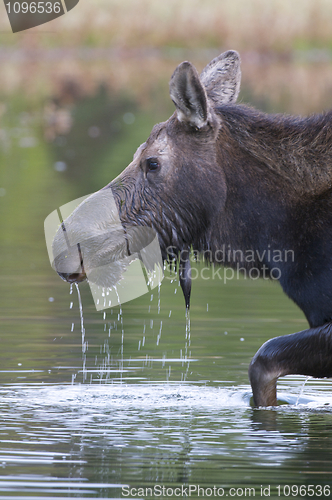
column 304, row 353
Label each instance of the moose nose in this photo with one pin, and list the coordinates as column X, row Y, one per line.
column 73, row 277
column 69, row 264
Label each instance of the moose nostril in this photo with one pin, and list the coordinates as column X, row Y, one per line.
column 73, row 277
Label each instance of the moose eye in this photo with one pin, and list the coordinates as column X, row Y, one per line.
column 152, row 164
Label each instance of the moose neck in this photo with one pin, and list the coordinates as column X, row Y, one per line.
column 268, row 179
column 295, row 149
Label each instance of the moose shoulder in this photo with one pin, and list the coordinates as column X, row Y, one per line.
column 219, row 174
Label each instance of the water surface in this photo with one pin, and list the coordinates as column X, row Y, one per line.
column 149, row 404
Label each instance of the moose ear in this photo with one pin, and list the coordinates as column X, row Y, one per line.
column 221, row 78
column 189, row 95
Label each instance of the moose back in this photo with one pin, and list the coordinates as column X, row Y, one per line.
column 219, row 175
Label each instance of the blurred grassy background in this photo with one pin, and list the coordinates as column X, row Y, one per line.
column 135, row 45
column 260, row 25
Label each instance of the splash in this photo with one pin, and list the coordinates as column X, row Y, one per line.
column 301, row 390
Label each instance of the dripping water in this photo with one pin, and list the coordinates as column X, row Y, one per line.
column 159, row 334
column 120, row 318
column 84, row 344
column 104, row 368
column 187, row 352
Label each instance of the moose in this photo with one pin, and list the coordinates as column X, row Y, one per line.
column 218, row 174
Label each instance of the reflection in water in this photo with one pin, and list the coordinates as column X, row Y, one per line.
column 94, row 436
